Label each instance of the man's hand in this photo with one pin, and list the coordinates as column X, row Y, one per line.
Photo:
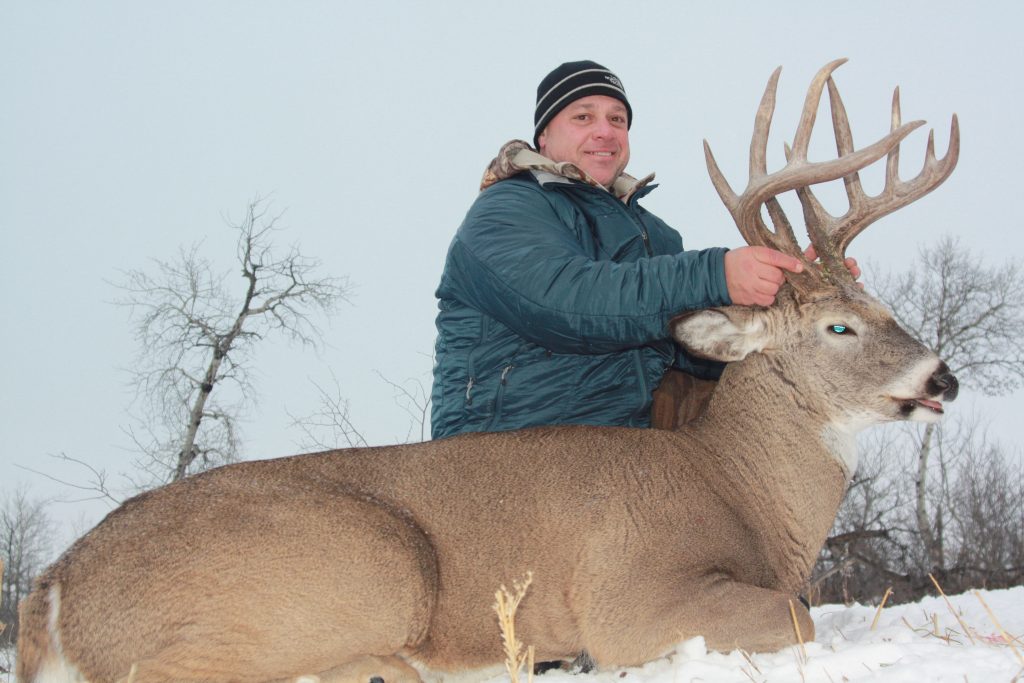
column 850, row 263
column 754, row 274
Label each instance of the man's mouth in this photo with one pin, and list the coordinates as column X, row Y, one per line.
column 601, row 154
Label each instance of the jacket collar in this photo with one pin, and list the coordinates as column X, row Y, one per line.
column 517, row 156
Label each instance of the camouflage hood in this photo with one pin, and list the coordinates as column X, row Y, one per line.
column 518, row 156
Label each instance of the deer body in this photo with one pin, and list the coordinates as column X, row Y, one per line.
column 383, row 562
column 399, row 550
column 637, row 539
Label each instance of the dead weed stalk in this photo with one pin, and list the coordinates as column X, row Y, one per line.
column 506, row 604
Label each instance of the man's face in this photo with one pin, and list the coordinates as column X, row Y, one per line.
column 593, row 134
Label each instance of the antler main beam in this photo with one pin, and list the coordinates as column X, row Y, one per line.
column 830, row 235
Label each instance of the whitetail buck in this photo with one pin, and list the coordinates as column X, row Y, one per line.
column 383, row 562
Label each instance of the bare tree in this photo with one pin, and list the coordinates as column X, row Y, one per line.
column 26, row 539
column 331, row 426
column 983, row 526
column 198, row 333
column 413, row 397
column 972, row 315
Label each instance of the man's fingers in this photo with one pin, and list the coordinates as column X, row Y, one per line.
column 851, row 265
column 779, row 260
column 755, row 274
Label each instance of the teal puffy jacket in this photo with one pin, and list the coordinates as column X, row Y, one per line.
column 554, row 308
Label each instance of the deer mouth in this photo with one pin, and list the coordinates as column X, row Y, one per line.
column 908, row 405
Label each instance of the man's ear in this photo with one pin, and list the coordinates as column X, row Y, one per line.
column 723, row 334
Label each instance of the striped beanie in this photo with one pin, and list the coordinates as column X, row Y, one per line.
column 570, row 82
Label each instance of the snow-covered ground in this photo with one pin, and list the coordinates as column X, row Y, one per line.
column 920, row 643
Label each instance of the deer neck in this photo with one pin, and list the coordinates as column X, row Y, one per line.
column 779, row 462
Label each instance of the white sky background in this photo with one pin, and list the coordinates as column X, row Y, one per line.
column 128, row 129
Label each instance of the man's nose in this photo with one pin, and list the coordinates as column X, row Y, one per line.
column 603, row 129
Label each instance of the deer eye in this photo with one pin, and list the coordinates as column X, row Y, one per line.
column 840, row 329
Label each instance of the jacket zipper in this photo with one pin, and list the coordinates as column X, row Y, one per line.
column 639, row 224
column 630, row 213
column 647, row 241
column 499, row 397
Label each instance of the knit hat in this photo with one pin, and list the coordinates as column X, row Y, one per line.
column 570, row 82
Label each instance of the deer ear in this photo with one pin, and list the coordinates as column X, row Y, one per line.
column 723, row 334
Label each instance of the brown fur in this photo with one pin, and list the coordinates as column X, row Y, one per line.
column 637, row 539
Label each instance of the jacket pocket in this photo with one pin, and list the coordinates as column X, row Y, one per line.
column 505, row 372
column 471, row 361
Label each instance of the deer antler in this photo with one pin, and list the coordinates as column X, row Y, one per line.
column 829, row 234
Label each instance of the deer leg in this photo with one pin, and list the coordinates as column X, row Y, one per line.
column 368, row 669
column 727, row 614
column 300, row 582
column 756, row 619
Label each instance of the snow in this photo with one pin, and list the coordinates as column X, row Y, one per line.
column 928, row 641
column 913, row 643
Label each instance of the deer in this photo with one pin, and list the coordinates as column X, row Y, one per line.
column 380, row 563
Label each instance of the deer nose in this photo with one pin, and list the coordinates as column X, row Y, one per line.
column 944, row 382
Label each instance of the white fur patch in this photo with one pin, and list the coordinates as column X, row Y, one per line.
column 56, row 669
column 841, row 442
column 911, row 383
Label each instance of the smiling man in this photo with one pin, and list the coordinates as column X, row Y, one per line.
column 558, row 286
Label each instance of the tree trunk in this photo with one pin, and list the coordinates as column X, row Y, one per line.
column 931, row 544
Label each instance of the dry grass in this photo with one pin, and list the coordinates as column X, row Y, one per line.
column 1009, row 641
column 952, row 611
column 881, row 606
column 953, row 637
column 505, row 604
column 796, row 628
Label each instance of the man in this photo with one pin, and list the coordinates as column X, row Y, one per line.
column 558, row 286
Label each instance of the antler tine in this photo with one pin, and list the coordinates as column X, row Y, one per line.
column 809, row 114
column 819, row 222
column 897, row 194
column 832, row 235
column 762, row 126
column 892, row 163
column 750, row 224
column 753, row 231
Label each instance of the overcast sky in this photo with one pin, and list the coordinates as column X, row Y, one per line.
column 128, row 129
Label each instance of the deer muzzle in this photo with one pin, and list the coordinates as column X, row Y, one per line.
column 943, row 383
